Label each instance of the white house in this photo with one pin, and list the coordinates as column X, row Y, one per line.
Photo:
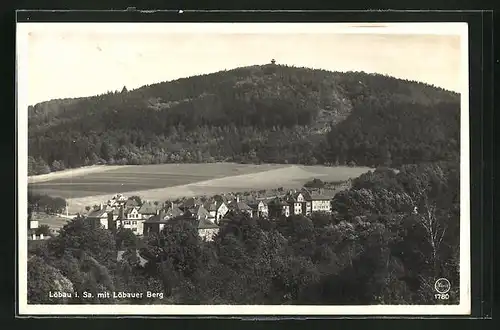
column 222, row 210
column 320, row 203
column 217, row 210
column 132, row 220
column 207, row 229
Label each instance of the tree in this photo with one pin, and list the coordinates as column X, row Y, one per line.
column 315, row 183
column 137, row 199
column 32, row 166
column 41, row 167
column 43, row 279
column 43, row 230
column 79, row 236
column 50, row 204
column 57, row 166
column 178, row 244
column 125, row 238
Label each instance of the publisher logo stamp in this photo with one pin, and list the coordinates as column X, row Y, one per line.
column 442, row 286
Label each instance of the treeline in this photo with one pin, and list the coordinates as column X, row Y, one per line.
column 45, row 203
column 255, row 114
column 392, row 235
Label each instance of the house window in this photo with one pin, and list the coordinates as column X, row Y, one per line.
column 134, row 222
column 126, row 222
column 134, row 229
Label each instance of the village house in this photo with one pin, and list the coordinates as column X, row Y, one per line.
column 239, row 206
column 279, row 207
column 132, row 220
column 319, row 202
column 259, row 207
column 217, row 209
column 33, row 226
column 198, row 213
column 148, row 209
column 190, row 203
column 100, row 216
column 172, row 212
column 222, row 207
column 211, row 207
column 207, row 229
column 155, row 223
column 297, row 202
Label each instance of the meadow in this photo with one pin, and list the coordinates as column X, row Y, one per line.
column 170, row 181
column 132, row 178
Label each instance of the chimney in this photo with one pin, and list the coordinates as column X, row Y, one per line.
column 172, row 205
column 237, row 198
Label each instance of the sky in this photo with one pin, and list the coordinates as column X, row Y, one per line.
column 60, row 60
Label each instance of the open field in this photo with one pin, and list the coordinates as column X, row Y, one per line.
column 171, row 181
column 123, row 179
column 72, row 173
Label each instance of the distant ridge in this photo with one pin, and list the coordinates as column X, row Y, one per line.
column 261, row 113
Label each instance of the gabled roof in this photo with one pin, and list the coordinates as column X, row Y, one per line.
column 128, row 210
column 199, row 211
column 254, row 203
column 165, row 215
column 306, row 193
column 97, row 213
column 239, row 206
column 148, row 208
column 279, row 202
column 190, row 203
column 173, row 212
column 206, row 224
column 211, row 206
column 319, row 197
column 157, row 218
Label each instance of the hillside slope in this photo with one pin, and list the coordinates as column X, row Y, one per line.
column 268, row 113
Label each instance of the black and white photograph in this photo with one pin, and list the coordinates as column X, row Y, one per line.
column 243, row 168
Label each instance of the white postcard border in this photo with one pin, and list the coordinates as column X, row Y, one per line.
column 463, row 308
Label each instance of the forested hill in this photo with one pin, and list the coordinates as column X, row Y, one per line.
column 269, row 113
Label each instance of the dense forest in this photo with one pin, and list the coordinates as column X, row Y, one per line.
column 393, row 233
column 269, row 113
